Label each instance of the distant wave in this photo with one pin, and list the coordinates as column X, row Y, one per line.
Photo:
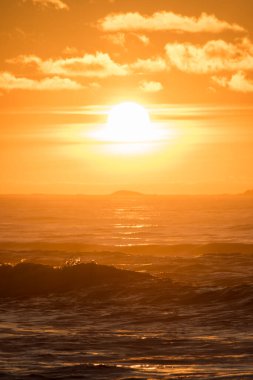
column 29, row 279
column 242, row 227
column 104, row 283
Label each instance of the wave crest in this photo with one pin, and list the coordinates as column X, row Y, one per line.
column 29, row 279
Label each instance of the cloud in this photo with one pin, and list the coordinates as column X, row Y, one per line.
column 9, row 81
column 238, row 82
column 214, row 56
column 57, row 4
column 70, row 50
column 152, row 65
column 99, row 65
column 150, row 86
column 117, row 38
column 143, row 38
column 120, row 39
column 134, row 21
column 95, row 85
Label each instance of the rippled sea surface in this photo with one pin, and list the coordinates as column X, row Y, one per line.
column 114, row 220
column 126, row 287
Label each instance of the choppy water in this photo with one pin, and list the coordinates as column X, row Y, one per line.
column 144, row 311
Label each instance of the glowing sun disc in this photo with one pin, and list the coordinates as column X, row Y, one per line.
column 128, row 122
column 129, row 130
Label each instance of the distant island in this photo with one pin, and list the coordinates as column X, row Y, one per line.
column 248, row 192
column 126, row 193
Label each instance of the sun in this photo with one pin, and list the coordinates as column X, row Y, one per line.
column 128, row 130
column 127, row 122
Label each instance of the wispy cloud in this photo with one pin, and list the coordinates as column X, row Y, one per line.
column 143, row 38
column 134, row 21
column 99, row 65
column 214, row 56
column 238, row 82
column 152, row 65
column 116, row 38
column 95, row 85
column 120, row 38
column 9, row 81
column 70, row 50
column 57, row 4
column 150, row 86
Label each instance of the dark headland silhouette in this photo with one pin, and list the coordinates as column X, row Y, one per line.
column 127, row 193
column 248, row 192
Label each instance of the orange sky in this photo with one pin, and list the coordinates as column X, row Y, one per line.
column 64, row 64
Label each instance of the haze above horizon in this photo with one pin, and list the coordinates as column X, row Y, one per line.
column 154, row 97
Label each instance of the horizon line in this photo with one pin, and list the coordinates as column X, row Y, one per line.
column 122, row 193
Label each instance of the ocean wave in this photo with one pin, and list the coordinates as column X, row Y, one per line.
column 29, row 279
column 242, row 227
column 93, row 283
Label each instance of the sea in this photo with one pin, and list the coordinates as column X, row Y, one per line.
column 126, row 286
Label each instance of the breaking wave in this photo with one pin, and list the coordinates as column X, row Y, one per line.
column 107, row 284
column 29, row 279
